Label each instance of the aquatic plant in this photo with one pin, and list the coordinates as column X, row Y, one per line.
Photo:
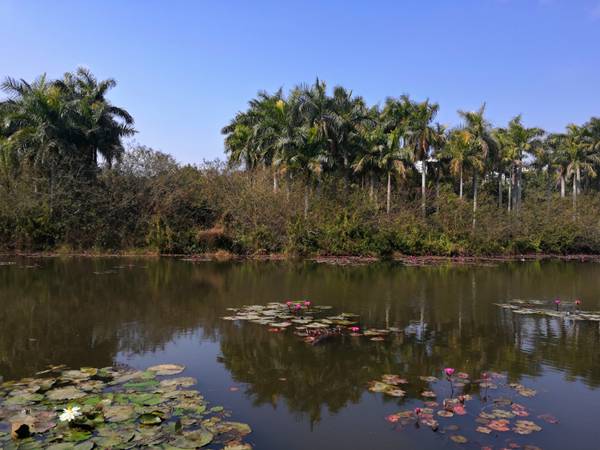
column 116, row 408
column 309, row 321
column 449, row 371
column 498, row 416
column 564, row 310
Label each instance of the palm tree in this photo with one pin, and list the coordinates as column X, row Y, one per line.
column 368, row 156
column 516, row 142
column 579, row 149
column 333, row 123
column 254, row 137
column 101, row 124
column 422, row 135
column 392, row 160
column 557, row 159
column 457, row 152
column 480, row 139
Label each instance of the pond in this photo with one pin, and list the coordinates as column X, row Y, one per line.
column 140, row 312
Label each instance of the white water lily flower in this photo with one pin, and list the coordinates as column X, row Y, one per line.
column 70, row 413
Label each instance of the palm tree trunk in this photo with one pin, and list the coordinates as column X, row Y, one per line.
column 275, row 184
column 510, row 194
column 474, row 199
column 437, row 193
column 423, row 185
column 499, row 190
column 519, row 192
column 460, row 190
column 389, row 191
column 574, row 195
column 578, row 180
column 306, row 201
column 371, row 187
column 513, row 180
column 562, row 185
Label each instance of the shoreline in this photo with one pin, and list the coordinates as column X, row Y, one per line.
column 407, row 260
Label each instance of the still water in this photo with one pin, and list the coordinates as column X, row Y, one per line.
column 139, row 312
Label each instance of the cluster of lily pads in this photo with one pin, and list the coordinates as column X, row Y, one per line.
column 116, row 408
column 491, row 416
column 311, row 322
column 556, row 308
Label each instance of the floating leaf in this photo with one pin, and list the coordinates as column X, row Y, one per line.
column 501, row 414
column 167, row 369
column 237, row 446
column 150, row 419
column 458, row 439
column 118, row 413
column 76, row 435
column 141, row 385
column 395, row 392
column 499, row 425
column 378, row 386
column 429, row 379
column 64, row 393
column 181, row 381
column 548, row 418
column 526, row 427
column 198, row 438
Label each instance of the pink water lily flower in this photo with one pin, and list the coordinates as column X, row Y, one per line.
column 578, row 302
column 557, row 301
column 307, row 303
column 449, row 371
column 355, row 329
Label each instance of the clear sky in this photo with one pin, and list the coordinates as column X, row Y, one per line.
column 185, row 67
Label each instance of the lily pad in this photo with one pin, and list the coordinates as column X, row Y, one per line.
column 181, row 381
column 144, row 385
column 65, row 393
column 167, row 369
column 150, row 419
column 459, row 439
column 118, row 413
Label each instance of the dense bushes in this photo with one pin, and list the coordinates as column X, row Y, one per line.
column 151, row 203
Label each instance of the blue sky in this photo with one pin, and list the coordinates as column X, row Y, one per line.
column 185, row 67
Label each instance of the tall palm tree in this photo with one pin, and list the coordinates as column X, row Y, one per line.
column 517, row 142
column 480, row 139
column 558, row 159
column 393, row 160
column 368, row 156
column 457, row 152
column 582, row 159
column 101, row 124
column 34, row 122
column 422, row 135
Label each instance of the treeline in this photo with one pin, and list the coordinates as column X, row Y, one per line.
column 307, row 173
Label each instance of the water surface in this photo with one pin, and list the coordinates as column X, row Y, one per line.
column 139, row 312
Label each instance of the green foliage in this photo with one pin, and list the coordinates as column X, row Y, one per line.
column 309, row 173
